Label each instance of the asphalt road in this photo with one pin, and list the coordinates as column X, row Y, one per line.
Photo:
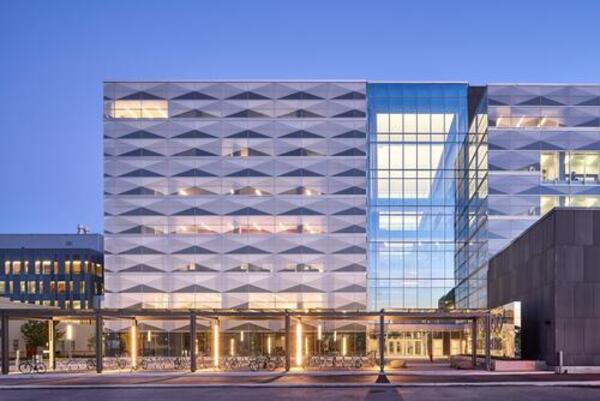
column 283, row 379
column 309, row 394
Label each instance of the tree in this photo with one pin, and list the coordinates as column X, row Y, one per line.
column 36, row 335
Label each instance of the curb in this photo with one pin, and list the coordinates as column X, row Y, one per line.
column 594, row 384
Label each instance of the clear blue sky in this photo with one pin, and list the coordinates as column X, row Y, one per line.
column 55, row 54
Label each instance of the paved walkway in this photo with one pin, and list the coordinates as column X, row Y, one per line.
column 448, row 377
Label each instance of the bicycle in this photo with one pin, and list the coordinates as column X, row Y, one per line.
column 262, row 362
column 27, row 366
column 181, row 363
column 90, row 364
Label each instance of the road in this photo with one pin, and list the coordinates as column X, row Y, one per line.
column 309, row 394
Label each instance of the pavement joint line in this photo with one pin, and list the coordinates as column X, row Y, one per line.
column 272, row 374
column 593, row 384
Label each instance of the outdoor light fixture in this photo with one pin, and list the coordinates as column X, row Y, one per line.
column 133, row 334
column 69, row 333
column 216, row 344
column 299, row 343
column 319, row 332
column 306, row 346
column 269, row 345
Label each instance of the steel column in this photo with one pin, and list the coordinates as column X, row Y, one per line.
column 488, row 342
column 193, row 342
column 474, row 342
column 5, row 354
column 99, row 342
column 288, row 342
column 381, row 342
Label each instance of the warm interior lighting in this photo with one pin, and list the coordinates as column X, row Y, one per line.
column 306, row 346
column 344, row 346
column 139, row 109
column 216, row 344
column 69, row 332
column 299, row 343
column 149, row 336
column 269, row 345
column 232, row 346
column 334, row 335
column 319, row 332
column 133, row 334
column 242, row 336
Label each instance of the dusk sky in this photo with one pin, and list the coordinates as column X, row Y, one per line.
column 55, row 55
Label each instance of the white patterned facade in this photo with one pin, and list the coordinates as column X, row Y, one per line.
column 235, row 194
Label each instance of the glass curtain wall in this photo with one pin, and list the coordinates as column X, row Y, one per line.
column 415, row 131
column 471, row 209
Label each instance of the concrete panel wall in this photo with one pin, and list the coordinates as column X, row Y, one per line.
column 554, row 270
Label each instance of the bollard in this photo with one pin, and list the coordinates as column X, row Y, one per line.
column 558, row 369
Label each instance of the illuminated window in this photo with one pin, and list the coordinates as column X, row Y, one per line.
column 31, row 286
column 16, row 267
column 7, row 267
column 76, row 267
column 37, row 266
column 61, row 287
column 22, row 287
column 398, row 221
column 67, row 267
column 549, row 166
column 139, row 109
column 2, row 287
column 46, row 266
column 573, row 167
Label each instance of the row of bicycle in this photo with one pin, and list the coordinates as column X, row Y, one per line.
column 254, row 363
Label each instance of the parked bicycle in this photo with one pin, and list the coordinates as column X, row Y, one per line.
column 181, row 362
column 90, row 364
column 35, row 365
column 264, row 362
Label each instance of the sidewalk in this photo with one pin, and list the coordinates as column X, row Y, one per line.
column 442, row 378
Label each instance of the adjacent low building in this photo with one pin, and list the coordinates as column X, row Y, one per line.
column 64, row 270
column 553, row 270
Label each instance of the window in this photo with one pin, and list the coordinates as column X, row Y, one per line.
column 549, row 166
column 7, row 267
column 16, row 267
column 61, row 287
column 31, row 288
column 46, row 264
column 2, row 287
column 76, row 267
column 570, row 167
column 139, row 109
column 37, row 266
column 549, row 202
column 67, row 267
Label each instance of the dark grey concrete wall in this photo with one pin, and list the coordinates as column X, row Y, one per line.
column 554, row 270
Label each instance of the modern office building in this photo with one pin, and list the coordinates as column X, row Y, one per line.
column 235, row 195
column 543, row 150
column 333, row 195
column 61, row 270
